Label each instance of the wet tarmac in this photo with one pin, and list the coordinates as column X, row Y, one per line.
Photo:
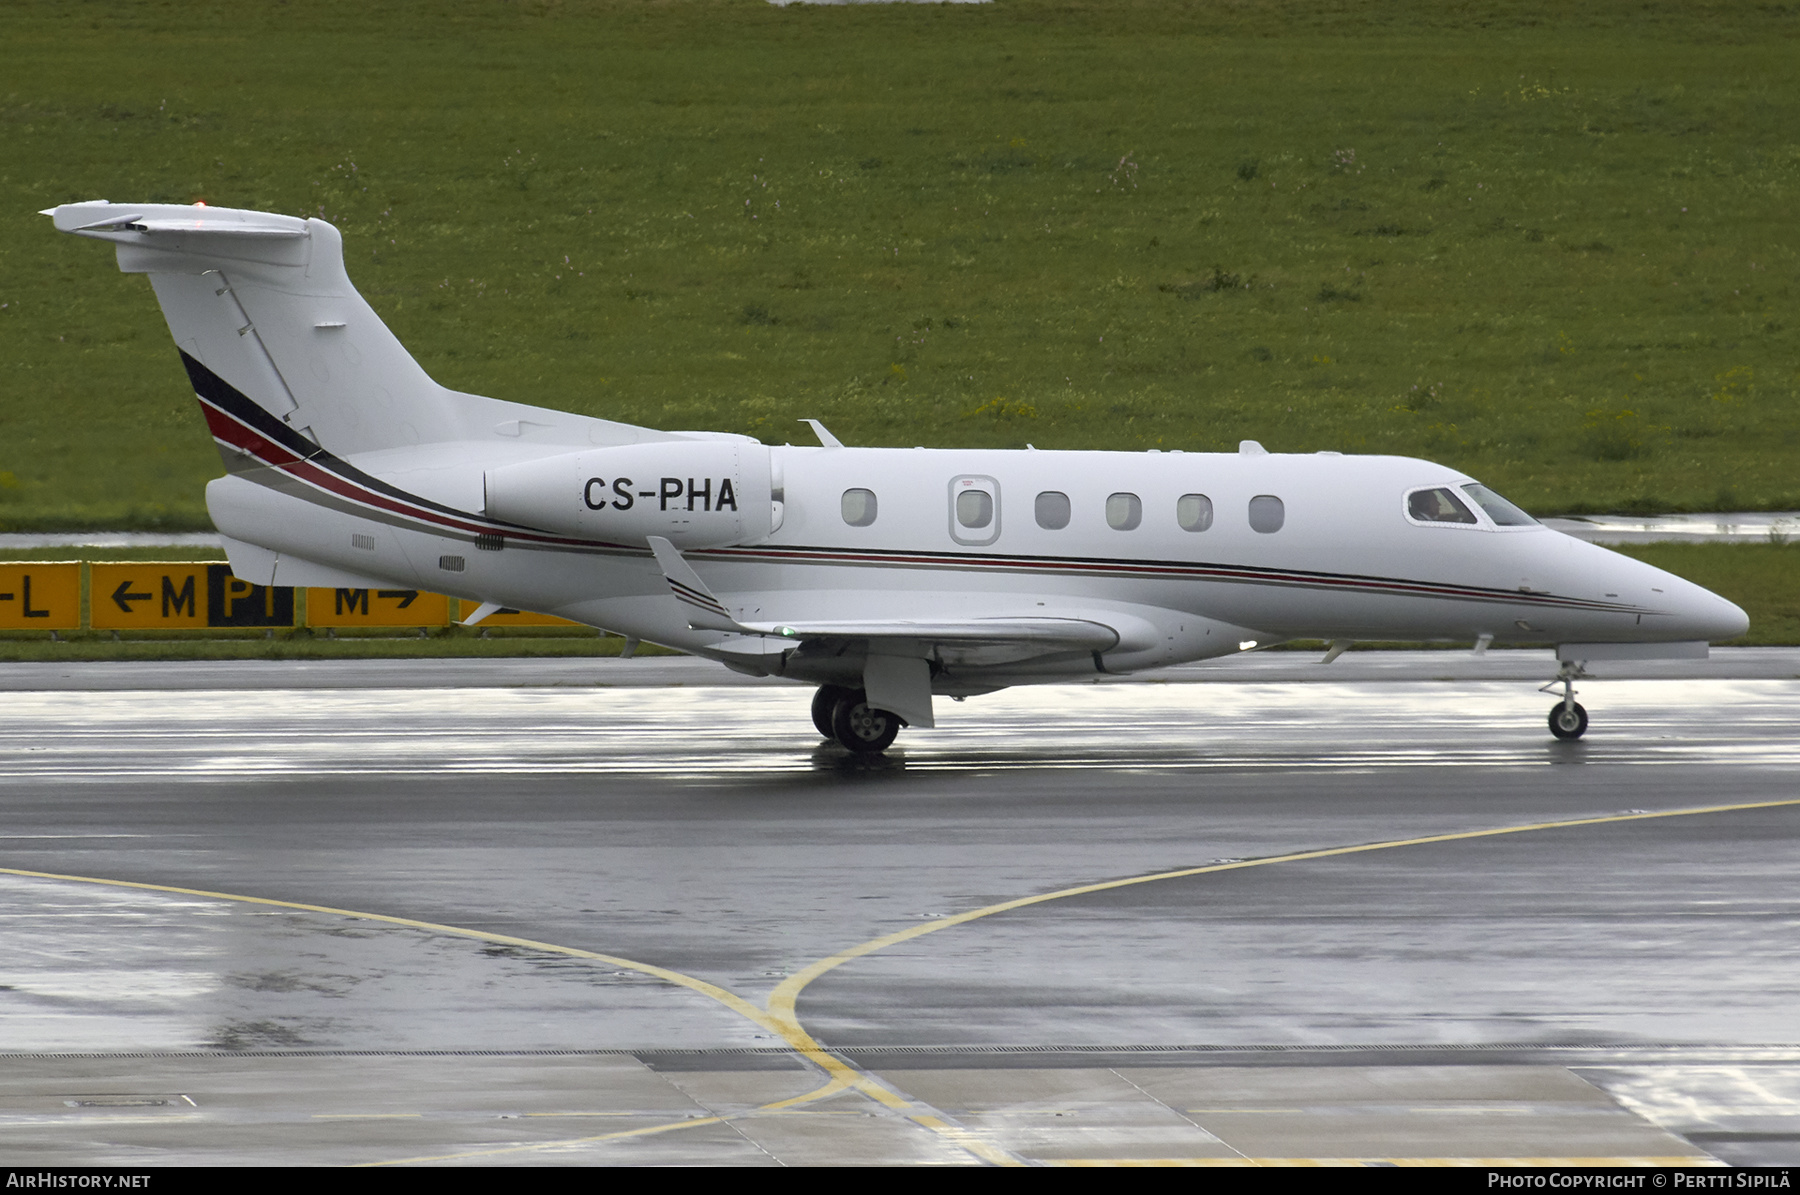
column 664, row 672
column 1776, row 527
column 628, row 916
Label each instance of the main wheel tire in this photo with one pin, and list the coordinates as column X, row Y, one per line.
column 824, row 704
column 862, row 728
column 1568, row 721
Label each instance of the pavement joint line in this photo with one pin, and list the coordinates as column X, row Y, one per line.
column 1172, row 1109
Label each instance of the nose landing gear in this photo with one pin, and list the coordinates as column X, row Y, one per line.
column 846, row 715
column 1567, row 719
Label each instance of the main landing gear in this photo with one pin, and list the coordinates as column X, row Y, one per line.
column 1567, row 719
column 846, row 715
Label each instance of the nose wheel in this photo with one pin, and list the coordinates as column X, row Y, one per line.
column 1568, row 721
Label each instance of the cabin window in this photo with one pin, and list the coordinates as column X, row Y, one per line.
column 974, row 510
column 1052, row 510
column 1267, row 514
column 859, row 507
column 1437, row 506
column 1504, row 513
column 1124, row 511
column 1193, row 512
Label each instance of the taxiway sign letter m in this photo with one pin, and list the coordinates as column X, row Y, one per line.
column 178, row 598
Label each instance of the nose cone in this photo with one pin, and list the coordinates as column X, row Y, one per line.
column 1696, row 613
column 1711, row 616
column 1674, row 608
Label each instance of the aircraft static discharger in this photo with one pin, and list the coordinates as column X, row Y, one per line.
column 883, row 576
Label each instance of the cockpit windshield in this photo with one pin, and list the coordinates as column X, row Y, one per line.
column 1437, row 506
column 1504, row 513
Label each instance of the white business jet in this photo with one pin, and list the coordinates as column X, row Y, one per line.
column 883, row 576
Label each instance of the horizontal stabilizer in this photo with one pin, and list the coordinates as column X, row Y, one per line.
column 127, row 222
column 213, row 228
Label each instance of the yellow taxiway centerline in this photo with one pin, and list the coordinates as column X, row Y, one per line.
column 842, row 1076
column 781, row 1016
column 783, row 999
column 730, row 1000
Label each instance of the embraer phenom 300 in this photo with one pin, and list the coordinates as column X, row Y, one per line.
column 883, row 576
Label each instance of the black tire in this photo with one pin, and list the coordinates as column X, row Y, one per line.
column 860, row 727
column 1569, row 723
column 824, row 704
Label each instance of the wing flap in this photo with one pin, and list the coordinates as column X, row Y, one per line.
column 1013, row 637
column 1053, row 634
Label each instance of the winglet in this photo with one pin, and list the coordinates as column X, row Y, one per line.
column 481, row 612
column 825, row 437
column 707, row 613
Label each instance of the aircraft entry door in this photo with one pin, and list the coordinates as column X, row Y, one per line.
column 974, row 510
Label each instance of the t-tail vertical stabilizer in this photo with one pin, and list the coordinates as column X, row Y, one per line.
column 329, row 429
column 263, row 310
column 262, row 302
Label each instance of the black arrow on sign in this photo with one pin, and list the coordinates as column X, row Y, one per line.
column 121, row 596
column 407, row 596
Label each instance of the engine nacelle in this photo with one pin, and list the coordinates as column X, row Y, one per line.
column 694, row 493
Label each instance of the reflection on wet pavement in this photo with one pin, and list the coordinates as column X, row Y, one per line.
column 702, row 733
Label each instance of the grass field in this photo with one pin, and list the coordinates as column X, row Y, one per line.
column 1552, row 245
column 1762, row 578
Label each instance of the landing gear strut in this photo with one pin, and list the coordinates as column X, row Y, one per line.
column 846, row 715
column 1567, row 719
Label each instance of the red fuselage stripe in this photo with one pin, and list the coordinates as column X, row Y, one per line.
column 237, row 435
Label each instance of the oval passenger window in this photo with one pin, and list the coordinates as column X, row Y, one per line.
column 1124, row 512
column 974, row 508
column 1193, row 512
column 859, row 507
column 1267, row 514
column 1052, row 510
